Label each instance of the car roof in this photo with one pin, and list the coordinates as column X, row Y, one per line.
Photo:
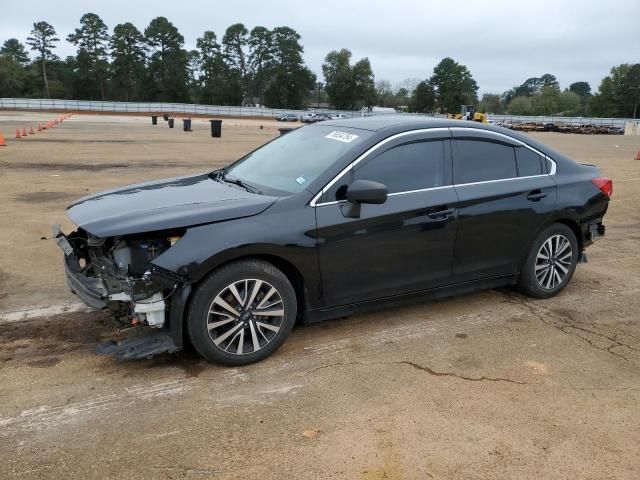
column 401, row 123
column 379, row 122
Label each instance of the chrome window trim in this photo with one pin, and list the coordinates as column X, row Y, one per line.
column 336, row 202
column 418, row 191
column 501, row 180
column 315, row 199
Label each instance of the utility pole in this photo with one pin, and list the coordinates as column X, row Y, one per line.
column 319, row 86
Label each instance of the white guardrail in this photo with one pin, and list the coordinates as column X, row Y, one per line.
column 149, row 107
column 220, row 110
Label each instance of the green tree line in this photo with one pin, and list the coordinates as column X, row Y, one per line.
column 240, row 67
column 617, row 96
column 265, row 67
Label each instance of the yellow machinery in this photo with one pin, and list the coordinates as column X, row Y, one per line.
column 468, row 112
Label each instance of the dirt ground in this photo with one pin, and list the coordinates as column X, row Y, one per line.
column 491, row 385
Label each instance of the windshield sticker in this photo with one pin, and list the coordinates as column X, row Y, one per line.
column 342, row 136
column 301, row 179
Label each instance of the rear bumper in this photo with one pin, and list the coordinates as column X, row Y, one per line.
column 592, row 231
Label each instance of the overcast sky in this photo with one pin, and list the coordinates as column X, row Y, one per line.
column 502, row 42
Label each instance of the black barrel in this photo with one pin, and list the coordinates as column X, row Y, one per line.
column 166, row 117
column 186, row 124
column 284, row 131
column 216, row 128
column 170, row 122
column 154, row 119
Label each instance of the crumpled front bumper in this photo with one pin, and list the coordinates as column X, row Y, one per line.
column 90, row 289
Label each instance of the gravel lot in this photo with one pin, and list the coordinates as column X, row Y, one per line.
column 489, row 385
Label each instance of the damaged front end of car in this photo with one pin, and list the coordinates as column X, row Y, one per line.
column 117, row 274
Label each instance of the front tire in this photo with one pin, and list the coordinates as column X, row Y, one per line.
column 550, row 263
column 241, row 313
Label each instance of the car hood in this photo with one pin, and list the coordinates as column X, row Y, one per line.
column 164, row 204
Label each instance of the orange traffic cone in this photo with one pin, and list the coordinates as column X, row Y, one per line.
column 24, row 132
column 637, row 156
column 2, row 142
column 31, row 132
column 17, row 133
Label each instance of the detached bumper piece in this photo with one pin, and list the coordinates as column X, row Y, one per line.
column 146, row 346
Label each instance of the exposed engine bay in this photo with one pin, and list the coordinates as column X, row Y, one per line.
column 117, row 273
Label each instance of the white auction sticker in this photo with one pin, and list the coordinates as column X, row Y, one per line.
column 342, row 136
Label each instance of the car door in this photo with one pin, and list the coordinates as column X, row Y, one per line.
column 402, row 245
column 505, row 196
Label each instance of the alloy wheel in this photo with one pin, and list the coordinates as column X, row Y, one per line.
column 245, row 316
column 553, row 261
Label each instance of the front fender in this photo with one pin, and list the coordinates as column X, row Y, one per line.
column 287, row 235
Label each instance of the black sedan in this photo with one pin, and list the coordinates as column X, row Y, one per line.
column 328, row 220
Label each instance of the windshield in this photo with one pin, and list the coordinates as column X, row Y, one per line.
column 292, row 161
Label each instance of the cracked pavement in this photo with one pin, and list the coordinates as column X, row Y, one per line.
column 492, row 385
column 430, row 371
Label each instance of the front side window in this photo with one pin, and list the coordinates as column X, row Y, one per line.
column 480, row 161
column 403, row 168
column 292, row 161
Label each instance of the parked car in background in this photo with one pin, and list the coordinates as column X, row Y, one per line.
column 338, row 116
column 321, row 117
column 328, row 220
column 309, row 118
column 287, row 117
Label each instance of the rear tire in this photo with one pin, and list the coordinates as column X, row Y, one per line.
column 550, row 263
column 241, row 313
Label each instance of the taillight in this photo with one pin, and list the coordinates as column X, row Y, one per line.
column 604, row 184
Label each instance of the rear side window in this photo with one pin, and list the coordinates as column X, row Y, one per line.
column 412, row 166
column 480, row 161
column 529, row 162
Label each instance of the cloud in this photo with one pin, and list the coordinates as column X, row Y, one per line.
column 502, row 42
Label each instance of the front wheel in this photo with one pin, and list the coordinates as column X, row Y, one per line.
column 550, row 263
column 242, row 313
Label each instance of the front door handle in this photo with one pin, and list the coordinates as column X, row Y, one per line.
column 442, row 214
column 536, row 195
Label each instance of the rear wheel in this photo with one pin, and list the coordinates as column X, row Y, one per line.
column 242, row 313
column 550, row 263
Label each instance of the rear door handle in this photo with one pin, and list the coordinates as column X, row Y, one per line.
column 536, row 195
column 442, row 214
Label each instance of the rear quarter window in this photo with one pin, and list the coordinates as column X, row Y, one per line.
column 529, row 162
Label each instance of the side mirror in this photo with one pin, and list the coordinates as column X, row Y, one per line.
column 363, row 191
